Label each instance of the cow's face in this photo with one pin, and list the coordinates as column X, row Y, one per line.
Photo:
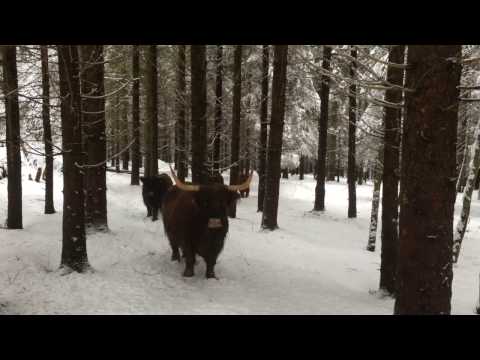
column 155, row 186
column 213, row 201
column 148, row 186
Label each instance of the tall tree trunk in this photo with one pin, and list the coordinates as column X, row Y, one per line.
column 301, row 167
column 274, row 152
column 236, row 112
column 118, row 131
column 360, row 174
column 14, row 162
column 74, row 245
column 180, row 145
column 462, row 141
column 47, row 132
column 332, row 142
column 125, row 130
column 93, row 121
column 352, row 126
column 199, row 110
column 391, row 171
column 467, row 195
column 218, row 108
column 151, row 130
column 462, row 176
column 428, row 166
column 319, row 204
column 372, row 234
column 136, row 156
column 246, row 124
column 262, row 149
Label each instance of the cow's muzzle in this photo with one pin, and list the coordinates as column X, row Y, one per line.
column 214, row 223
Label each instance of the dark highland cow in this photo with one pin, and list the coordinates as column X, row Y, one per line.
column 195, row 221
column 153, row 191
column 244, row 193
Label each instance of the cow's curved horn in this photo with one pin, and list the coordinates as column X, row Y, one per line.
column 243, row 186
column 181, row 185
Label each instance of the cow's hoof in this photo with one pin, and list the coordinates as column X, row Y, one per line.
column 175, row 257
column 211, row 276
column 188, row 273
column 154, row 219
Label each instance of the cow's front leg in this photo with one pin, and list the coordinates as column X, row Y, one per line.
column 175, row 254
column 189, row 262
column 154, row 213
column 210, row 273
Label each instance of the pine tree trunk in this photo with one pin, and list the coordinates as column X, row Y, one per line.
column 360, row 174
column 38, row 175
column 124, row 139
column 93, row 121
column 352, row 126
column 301, row 167
column 74, row 246
column 319, row 204
column 180, row 145
column 473, row 167
column 428, row 173
column 332, row 142
column 462, row 141
column 199, row 110
column 247, row 150
column 372, row 235
column 151, row 130
column 218, row 108
column 236, row 112
column 136, row 156
column 118, row 131
column 262, row 149
column 391, row 160
column 47, row 132
column 274, row 152
column 14, row 162
column 462, row 177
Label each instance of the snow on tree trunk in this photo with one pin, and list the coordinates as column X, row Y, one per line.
column 94, row 127
column 74, row 246
column 467, row 194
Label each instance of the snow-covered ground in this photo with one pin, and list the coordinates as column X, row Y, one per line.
column 314, row 264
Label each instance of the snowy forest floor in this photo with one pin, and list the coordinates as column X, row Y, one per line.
column 316, row 263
